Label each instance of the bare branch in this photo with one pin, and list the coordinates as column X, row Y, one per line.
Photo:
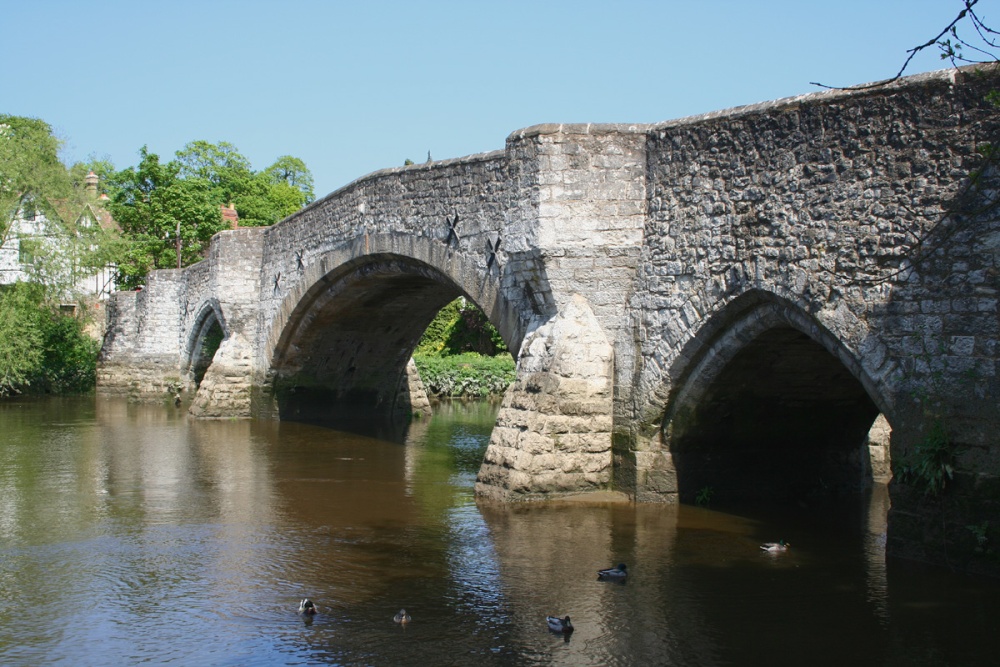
column 969, row 4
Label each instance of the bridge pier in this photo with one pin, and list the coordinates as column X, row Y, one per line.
column 553, row 432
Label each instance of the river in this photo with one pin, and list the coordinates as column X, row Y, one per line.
column 130, row 534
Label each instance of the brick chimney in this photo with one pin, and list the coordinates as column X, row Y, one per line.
column 230, row 216
column 90, row 184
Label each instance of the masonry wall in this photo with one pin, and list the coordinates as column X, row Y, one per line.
column 833, row 213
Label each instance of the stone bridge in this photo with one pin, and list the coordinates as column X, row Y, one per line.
column 725, row 303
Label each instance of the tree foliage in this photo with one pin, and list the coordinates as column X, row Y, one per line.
column 461, row 327
column 42, row 350
column 166, row 220
column 162, row 206
column 31, row 174
column 46, row 205
column 20, row 336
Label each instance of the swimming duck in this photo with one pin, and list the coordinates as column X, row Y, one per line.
column 307, row 607
column 618, row 572
column 401, row 617
column 775, row 547
column 557, row 624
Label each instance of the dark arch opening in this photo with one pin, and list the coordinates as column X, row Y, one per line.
column 342, row 360
column 208, row 337
column 783, row 420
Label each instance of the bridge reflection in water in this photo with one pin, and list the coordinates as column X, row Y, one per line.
column 147, row 536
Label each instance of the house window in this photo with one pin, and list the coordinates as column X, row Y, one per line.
column 25, row 252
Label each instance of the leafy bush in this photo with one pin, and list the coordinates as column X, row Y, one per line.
column 21, row 336
column 469, row 374
column 69, row 361
column 931, row 465
column 42, row 350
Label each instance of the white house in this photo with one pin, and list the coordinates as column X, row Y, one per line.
column 35, row 247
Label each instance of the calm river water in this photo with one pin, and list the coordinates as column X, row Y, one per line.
column 133, row 535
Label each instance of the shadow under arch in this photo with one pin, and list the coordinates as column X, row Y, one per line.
column 772, row 406
column 207, row 333
column 340, row 355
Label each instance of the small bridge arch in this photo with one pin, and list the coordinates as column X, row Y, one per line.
column 206, row 335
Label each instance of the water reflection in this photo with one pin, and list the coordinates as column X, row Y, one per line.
column 152, row 538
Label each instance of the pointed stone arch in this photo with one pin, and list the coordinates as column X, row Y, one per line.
column 206, row 335
column 752, row 392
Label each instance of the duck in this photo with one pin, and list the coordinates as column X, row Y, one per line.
column 307, row 607
column 775, row 547
column 557, row 624
column 401, row 617
column 617, row 572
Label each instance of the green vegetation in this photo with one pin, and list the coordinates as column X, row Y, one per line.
column 169, row 211
column 46, row 210
column 45, row 207
column 42, row 350
column 469, row 374
column 931, row 465
column 462, row 354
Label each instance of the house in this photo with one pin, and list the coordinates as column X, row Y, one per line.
column 48, row 248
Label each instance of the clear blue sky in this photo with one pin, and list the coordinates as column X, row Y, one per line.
column 352, row 87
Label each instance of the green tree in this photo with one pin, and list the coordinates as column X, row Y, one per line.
column 169, row 211
column 292, row 171
column 167, row 221
column 31, row 174
column 260, row 198
column 42, row 350
column 103, row 167
column 20, row 336
column 458, row 328
column 212, row 162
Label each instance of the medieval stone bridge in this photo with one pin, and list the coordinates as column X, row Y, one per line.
column 724, row 301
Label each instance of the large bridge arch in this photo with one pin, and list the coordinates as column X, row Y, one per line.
column 341, row 339
column 767, row 403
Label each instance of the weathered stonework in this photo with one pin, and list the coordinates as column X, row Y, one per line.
column 553, row 433
column 724, row 302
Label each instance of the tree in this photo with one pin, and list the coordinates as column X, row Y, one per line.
column 31, row 174
column 169, row 211
column 954, row 44
column 212, row 162
column 48, row 208
column 102, row 167
column 166, row 220
column 260, row 198
column 41, row 349
column 20, row 336
column 292, row 171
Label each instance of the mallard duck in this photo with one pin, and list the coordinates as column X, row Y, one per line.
column 307, row 607
column 616, row 572
column 775, row 547
column 557, row 624
column 401, row 617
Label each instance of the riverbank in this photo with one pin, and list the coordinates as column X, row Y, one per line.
column 467, row 375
